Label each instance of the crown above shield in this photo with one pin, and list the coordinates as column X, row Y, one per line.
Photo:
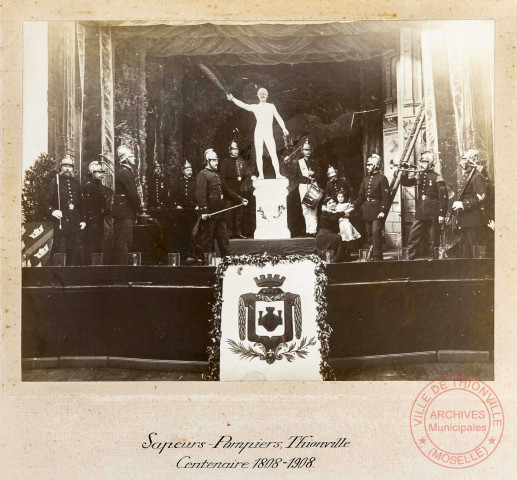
column 269, row 280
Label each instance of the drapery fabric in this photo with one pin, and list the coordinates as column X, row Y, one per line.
column 471, row 75
column 107, row 115
column 81, row 52
column 260, row 44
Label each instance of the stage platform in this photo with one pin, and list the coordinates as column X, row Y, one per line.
column 126, row 316
column 291, row 246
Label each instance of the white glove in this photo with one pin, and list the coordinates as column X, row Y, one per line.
column 58, row 214
column 204, row 216
column 491, row 224
column 244, row 202
column 230, row 97
column 285, row 132
column 381, row 215
column 441, row 219
column 82, row 225
column 457, row 205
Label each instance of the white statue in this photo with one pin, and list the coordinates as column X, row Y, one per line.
column 264, row 113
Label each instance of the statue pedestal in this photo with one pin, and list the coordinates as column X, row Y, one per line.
column 271, row 210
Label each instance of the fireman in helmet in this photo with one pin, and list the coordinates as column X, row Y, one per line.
column 374, row 197
column 430, row 209
column 236, row 177
column 97, row 206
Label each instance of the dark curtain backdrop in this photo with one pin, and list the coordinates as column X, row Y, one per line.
column 317, row 76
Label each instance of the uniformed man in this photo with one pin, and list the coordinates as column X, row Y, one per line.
column 468, row 208
column 65, row 204
column 374, row 197
column 235, row 176
column 431, row 205
column 337, row 185
column 183, row 214
column 126, row 205
column 97, row 206
column 210, row 193
column 303, row 173
column 157, row 189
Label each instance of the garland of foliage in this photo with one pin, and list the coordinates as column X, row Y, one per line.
column 213, row 350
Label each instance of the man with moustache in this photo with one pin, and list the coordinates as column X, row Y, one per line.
column 183, row 214
column 374, row 197
column 303, row 173
column 97, row 206
column 235, row 174
column 65, row 203
column 210, row 195
column 468, row 208
column 126, row 205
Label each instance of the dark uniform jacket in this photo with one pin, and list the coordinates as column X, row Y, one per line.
column 126, row 202
column 210, row 192
column 234, row 172
column 183, row 193
column 157, row 192
column 341, row 185
column 330, row 220
column 374, row 196
column 431, row 199
column 70, row 195
column 97, row 202
column 294, row 173
column 472, row 215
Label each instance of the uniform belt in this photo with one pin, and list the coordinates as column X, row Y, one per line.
column 120, row 194
column 372, row 199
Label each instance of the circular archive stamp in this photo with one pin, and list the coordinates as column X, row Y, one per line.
column 457, row 421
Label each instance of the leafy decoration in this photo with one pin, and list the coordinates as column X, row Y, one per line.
column 324, row 330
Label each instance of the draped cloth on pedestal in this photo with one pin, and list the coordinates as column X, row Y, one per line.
column 271, row 325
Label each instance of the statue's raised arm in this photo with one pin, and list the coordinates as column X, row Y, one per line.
column 237, row 102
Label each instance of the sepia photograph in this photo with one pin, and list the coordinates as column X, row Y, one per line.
column 257, row 201
column 264, row 240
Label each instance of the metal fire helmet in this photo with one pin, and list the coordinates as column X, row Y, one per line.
column 207, row 154
column 67, row 161
column 331, row 172
column 186, row 165
column 95, row 166
column 233, row 144
column 374, row 160
column 428, row 157
column 471, row 154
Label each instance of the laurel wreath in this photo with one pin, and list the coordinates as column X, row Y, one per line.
column 324, row 329
column 257, row 350
column 281, row 208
